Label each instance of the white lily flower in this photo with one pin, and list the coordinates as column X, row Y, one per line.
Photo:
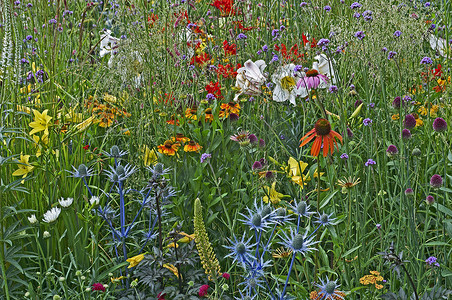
column 285, row 80
column 439, row 45
column 66, row 203
column 325, row 67
column 32, row 219
column 108, row 43
column 52, row 215
column 250, row 78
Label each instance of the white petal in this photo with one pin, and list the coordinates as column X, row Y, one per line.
column 278, row 94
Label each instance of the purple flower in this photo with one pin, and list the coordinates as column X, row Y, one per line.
column 233, row 117
column 323, row 42
column 355, row 5
column 392, row 150
column 333, row 89
column 265, row 48
column 384, row 49
column 28, row 37
column 432, row 261
column 439, row 125
column 430, row 200
column 327, row 8
column 426, row 61
column 409, row 122
column 427, row 4
column 210, row 96
column 409, row 192
column 205, row 156
column 53, row 21
column 368, row 15
column 406, row 134
column 298, row 68
column 349, row 133
column 391, row 54
column 397, row 33
column 302, row 4
column 261, row 143
column 257, row 165
column 358, row 103
column 370, row 162
column 396, row 102
column 367, row 122
column 356, row 15
column 436, row 181
column 274, row 59
column 378, row 226
column 241, row 36
column 253, row 138
column 360, row 35
column 344, row 156
column 371, row 105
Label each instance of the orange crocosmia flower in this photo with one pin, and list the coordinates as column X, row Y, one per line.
column 322, row 133
column 229, row 49
column 231, row 107
column 192, row 146
column 168, row 148
column 224, row 6
column 180, row 138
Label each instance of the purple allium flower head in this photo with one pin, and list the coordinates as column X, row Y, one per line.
column 391, row 54
column 344, row 156
column 367, row 122
column 370, row 162
column 333, row 89
column 205, row 156
column 396, row 102
column 257, row 165
column 406, row 134
column 409, row 122
column 241, row 36
column 253, row 138
column 263, row 161
column 355, row 5
column 436, row 181
column 397, row 33
column 358, row 103
column 327, row 8
column 360, row 35
column 409, row 192
column 392, row 150
column 269, row 175
column 426, row 61
column 431, row 261
column 349, row 133
column 430, row 200
column 439, row 125
column 261, row 143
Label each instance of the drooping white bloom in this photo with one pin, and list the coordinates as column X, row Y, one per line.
column 107, row 43
column 285, row 79
column 32, row 219
column 439, row 45
column 94, row 200
column 250, row 78
column 52, row 215
column 66, row 203
column 46, row 234
column 325, row 67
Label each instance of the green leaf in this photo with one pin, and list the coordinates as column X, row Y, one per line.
column 443, row 209
column 438, row 244
column 327, row 199
column 351, row 251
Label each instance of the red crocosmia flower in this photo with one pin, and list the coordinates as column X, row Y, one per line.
column 214, row 89
column 200, row 60
column 98, row 287
column 161, row 296
column 239, row 24
column 203, row 290
column 229, row 49
column 323, row 134
column 225, row 7
column 86, row 147
column 227, row 71
column 151, row 19
column 437, row 72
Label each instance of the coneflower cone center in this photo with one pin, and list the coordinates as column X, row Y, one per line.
column 322, row 127
column 288, row 83
column 209, row 111
column 191, row 143
column 312, row 73
column 298, row 241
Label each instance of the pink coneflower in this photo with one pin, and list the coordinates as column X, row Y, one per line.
column 312, row 79
column 243, row 138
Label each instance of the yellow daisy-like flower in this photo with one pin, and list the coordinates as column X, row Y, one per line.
column 134, row 261
column 272, row 195
column 395, row 117
column 23, row 166
column 192, row 146
column 41, row 122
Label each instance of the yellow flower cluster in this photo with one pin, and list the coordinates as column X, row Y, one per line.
column 373, row 278
column 208, row 259
column 315, row 295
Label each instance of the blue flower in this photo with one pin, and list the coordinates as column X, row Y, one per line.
column 115, row 152
column 81, row 172
column 297, row 242
column 325, row 219
column 121, row 173
column 328, row 290
column 301, row 209
column 241, row 251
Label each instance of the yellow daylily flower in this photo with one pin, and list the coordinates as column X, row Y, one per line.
column 272, row 195
column 173, row 269
column 296, row 170
column 134, row 261
column 41, row 122
column 149, row 156
column 24, row 166
column 187, row 237
column 85, row 124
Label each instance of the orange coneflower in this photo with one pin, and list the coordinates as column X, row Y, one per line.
column 322, row 133
column 168, row 148
column 180, row 138
column 192, row 146
column 209, row 115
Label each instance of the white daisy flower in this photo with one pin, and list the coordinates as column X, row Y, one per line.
column 94, row 200
column 52, row 215
column 66, row 203
column 32, row 219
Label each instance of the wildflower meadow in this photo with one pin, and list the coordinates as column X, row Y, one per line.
column 225, row 149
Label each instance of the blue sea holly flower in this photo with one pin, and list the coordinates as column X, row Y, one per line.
column 302, row 209
column 115, row 152
column 120, row 173
column 297, row 242
column 328, row 290
column 241, row 251
column 325, row 220
column 81, row 172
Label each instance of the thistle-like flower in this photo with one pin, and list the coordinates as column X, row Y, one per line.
column 328, row 290
column 241, row 250
column 297, row 242
column 115, row 152
column 81, row 172
column 301, row 208
column 121, row 173
column 325, row 219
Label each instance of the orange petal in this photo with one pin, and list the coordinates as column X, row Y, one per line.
column 307, row 140
column 334, row 133
column 306, row 135
column 316, row 146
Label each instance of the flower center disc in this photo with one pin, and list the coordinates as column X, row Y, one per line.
column 322, row 127
column 312, row 73
column 288, row 83
column 168, row 144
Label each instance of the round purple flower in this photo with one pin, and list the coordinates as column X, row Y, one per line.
column 370, row 162
column 427, row 4
column 241, row 36
column 269, row 175
column 367, row 122
column 397, row 33
column 391, row 54
column 406, row 134
column 355, row 5
column 253, row 138
column 323, row 42
column 257, row 165
column 430, row 200
column 409, row 122
column 333, row 89
column 439, row 125
column 436, row 181
column 302, row 4
column 233, row 117
column 265, row 48
column 431, row 261
column 392, row 150
column 409, row 192
column 396, row 102
column 327, row 8
column 426, row 61
column 205, row 156
column 261, row 143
